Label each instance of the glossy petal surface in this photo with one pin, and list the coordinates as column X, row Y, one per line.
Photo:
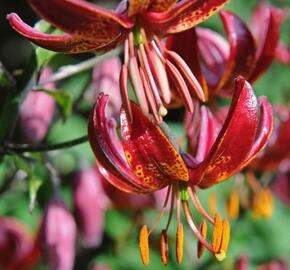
column 148, row 152
column 109, row 156
column 184, row 15
column 229, row 151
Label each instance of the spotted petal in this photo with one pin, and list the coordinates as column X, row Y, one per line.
column 109, row 156
column 184, row 15
column 161, row 5
column 64, row 43
column 90, row 27
column 149, row 152
column 234, row 141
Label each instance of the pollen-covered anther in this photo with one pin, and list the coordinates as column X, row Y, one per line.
column 144, row 244
column 263, row 204
column 179, row 243
column 164, row 247
column 203, row 232
column 225, row 238
column 212, row 203
column 217, row 233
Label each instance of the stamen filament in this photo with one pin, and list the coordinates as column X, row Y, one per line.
column 193, row 227
column 198, row 205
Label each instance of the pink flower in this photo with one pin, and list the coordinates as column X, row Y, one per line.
column 36, row 112
column 58, row 235
column 89, row 205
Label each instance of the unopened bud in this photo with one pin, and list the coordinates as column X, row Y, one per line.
column 58, row 235
column 36, row 112
column 89, row 205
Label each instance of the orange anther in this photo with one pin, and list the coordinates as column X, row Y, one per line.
column 164, row 247
column 212, row 203
column 217, row 233
column 144, row 244
column 225, row 235
column 203, row 231
column 179, row 242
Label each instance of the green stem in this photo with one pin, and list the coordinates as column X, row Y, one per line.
column 43, row 148
column 183, row 191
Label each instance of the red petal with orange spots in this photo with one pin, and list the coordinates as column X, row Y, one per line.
column 182, row 16
column 89, row 26
column 104, row 142
column 149, row 153
column 235, row 140
column 137, row 6
column 161, row 5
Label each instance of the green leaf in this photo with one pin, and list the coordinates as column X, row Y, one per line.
column 63, row 99
column 43, row 56
column 34, row 183
column 22, row 164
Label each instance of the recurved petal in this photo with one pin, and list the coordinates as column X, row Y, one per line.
column 265, row 129
column 109, row 158
column 64, row 43
column 149, row 152
column 230, row 151
column 241, row 59
column 266, row 24
column 184, row 15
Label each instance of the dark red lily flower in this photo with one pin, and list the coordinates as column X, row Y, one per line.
column 147, row 159
column 138, row 24
column 248, row 52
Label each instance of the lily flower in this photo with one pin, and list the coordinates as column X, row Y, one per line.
column 147, row 159
column 136, row 24
column 249, row 51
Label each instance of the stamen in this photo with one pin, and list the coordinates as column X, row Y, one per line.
column 150, row 97
column 180, row 85
column 179, row 242
column 137, row 84
column 203, row 231
column 198, row 205
column 144, row 244
column 131, row 44
column 157, row 221
column 225, row 236
column 158, row 52
column 164, row 247
column 233, row 205
column 193, row 227
column 124, row 92
column 217, row 233
column 186, row 72
column 150, row 76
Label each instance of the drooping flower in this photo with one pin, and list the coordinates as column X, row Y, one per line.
column 138, row 25
column 17, row 246
column 249, row 51
column 147, row 160
column 90, row 203
column 34, row 120
column 58, row 235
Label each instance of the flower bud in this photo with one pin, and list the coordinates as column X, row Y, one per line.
column 89, row 205
column 37, row 111
column 58, row 235
column 106, row 80
column 17, row 247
